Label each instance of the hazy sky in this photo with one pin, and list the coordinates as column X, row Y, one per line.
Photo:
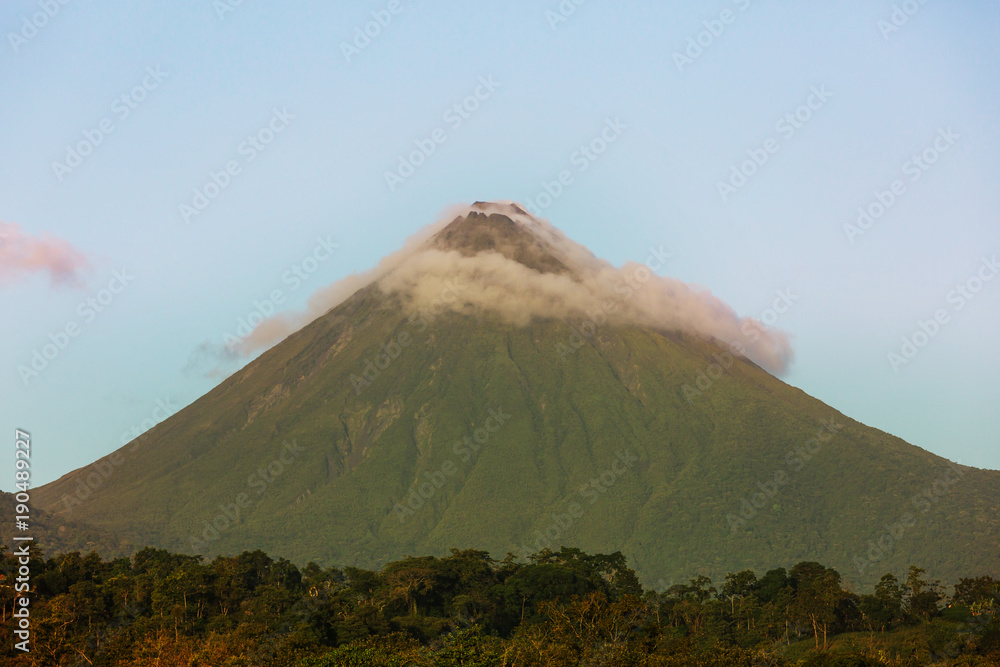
column 163, row 168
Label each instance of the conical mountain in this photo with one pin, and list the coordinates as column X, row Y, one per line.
column 471, row 396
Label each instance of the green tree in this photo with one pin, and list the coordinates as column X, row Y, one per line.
column 817, row 595
column 922, row 597
column 740, row 588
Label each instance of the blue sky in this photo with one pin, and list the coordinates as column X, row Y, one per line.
column 308, row 129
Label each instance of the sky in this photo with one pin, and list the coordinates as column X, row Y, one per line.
column 170, row 169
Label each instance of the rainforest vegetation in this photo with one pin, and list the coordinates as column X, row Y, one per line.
column 466, row 608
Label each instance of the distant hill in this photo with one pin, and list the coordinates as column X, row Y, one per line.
column 58, row 534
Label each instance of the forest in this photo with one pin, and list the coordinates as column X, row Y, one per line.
column 557, row 608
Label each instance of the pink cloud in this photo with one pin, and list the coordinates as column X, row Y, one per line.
column 22, row 254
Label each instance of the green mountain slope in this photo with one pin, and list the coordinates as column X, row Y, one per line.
column 369, row 435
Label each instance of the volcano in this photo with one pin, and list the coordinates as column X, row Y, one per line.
column 495, row 385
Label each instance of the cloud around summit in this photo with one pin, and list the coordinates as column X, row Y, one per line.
column 490, row 282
